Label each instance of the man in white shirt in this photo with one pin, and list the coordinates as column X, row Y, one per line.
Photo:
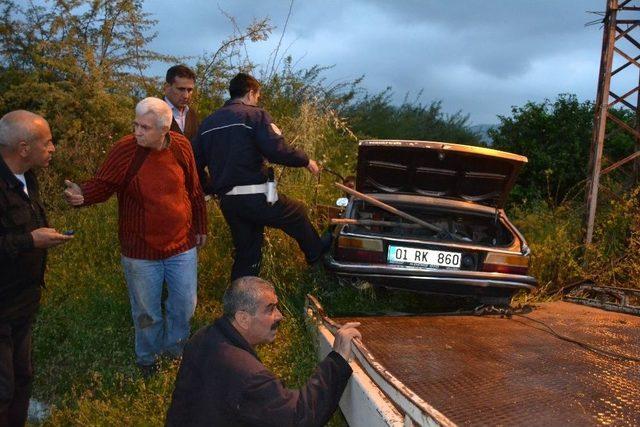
column 25, row 144
column 179, row 84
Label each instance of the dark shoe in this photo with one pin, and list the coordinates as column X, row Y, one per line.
column 326, row 239
column 148, row 371
column 316, row 266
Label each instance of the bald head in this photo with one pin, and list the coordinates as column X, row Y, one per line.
column 244, row 294
column 25, row 141
column 21, row 125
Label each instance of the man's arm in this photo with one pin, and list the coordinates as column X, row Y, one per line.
column 107, row 180
column 196, row 196
column 201, row 162
column 12, row 244
column 13, row 241
column 265, row 401
column 272, row 145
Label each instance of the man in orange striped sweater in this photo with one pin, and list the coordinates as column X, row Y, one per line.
column 162, row 218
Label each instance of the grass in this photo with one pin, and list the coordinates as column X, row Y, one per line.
column 83, row 340
column 84, row 335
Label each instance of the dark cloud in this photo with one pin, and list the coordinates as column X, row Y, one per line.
column 478, row 56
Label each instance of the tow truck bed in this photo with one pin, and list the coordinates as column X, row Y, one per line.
column 487, row 370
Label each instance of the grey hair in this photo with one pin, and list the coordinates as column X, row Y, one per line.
column 17, row 126
column 244, row 294
column 158, row 108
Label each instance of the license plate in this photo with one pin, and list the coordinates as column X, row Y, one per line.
column 423, row 257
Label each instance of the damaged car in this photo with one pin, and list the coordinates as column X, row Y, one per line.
column 429, row 216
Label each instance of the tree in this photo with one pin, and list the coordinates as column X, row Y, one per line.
column 375, row 116
column 79, row 63
column 555, row 136
column 214, row 70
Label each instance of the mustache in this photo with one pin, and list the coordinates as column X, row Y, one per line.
column 275, row 325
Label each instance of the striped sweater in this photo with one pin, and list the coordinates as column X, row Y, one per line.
column 160, row 209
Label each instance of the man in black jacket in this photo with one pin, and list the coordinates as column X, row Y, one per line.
column 222, row 382
column 233, row 143
column 25, row 143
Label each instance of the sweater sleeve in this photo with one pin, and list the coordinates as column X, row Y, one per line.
column 198, row 205
column 265, row 401
column 201, row 163
column 111, row 174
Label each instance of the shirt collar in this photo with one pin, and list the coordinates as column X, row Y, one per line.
column 231, row 333
column 235, row 101
column 174, row 109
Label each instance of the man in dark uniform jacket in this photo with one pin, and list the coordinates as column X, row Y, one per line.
column 179, row 84
column 25, row 143
column 233, row 144
column 222, row 382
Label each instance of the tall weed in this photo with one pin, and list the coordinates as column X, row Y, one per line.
column 553, row 234
column 559, row 255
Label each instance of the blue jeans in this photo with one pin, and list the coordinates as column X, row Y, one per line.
column 145, row 278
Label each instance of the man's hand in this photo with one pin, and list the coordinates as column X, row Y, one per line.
column 48, row 237
column 342, row 341
column 201, row 239
column 313, row 167
column 73, row 193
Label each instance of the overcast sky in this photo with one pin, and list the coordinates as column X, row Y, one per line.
column 477, row 56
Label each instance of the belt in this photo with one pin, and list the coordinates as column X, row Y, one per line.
column 239, row 190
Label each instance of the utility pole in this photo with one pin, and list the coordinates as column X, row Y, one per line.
column 617, row 39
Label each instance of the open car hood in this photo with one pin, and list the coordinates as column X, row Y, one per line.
column 437, row 169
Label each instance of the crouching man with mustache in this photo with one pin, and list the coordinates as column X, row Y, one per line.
column 222, row 382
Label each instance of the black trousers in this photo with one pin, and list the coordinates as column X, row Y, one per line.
column 247, row 216
column 16, row 371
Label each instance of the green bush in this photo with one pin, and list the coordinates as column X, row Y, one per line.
column 559, row 255
column 554, row 236
column 614, row 259
column 376, row 116
column 556, row 137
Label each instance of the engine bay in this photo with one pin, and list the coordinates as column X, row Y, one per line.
column 448, row 225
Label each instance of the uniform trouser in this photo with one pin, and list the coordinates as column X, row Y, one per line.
column 247, row 216
column 16, row 371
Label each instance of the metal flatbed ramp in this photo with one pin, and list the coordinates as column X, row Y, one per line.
column 487, row 370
